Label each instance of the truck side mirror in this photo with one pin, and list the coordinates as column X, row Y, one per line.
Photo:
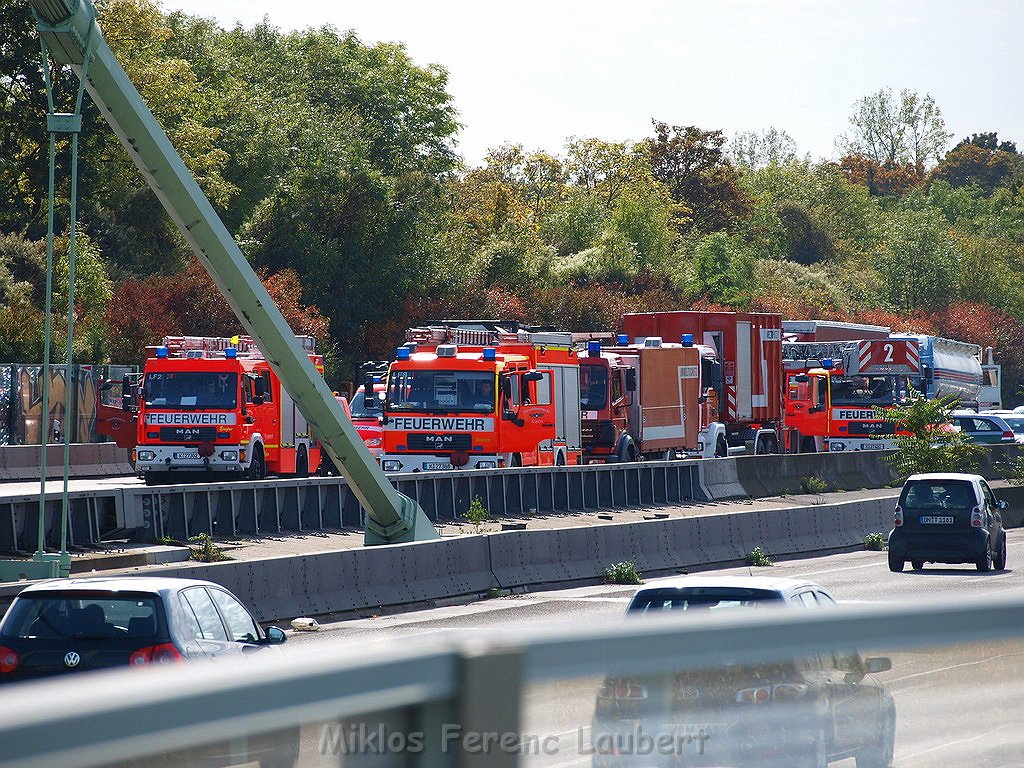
column 631, row 379
column 533, row 376
column 506, row 386
column 801, row 378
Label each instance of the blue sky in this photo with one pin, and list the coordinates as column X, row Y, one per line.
column 538, row 72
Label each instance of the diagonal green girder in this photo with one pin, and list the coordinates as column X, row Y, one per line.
column 71, row 33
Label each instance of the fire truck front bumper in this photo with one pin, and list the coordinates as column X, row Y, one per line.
column 187, row 458
column 847, row 444
column 418, row 462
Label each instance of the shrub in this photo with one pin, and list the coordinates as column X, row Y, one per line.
column 759, row 558
column 207, row 551
column 477, row 513
column 813, row 484
column 875, row 542
column 622, row 573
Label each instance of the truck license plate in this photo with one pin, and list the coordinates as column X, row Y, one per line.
column 186, row 455
column 936, row 520
column 437, row 465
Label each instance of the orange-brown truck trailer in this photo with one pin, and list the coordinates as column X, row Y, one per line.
column 641, row 401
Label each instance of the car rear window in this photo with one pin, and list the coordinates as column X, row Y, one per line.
column 938, row 494
column 72, row 615
column 701, row 598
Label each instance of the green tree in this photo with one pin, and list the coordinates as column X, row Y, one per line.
column 930, row 444
column 918, row 262
column 692, row 164
column 891, row 130
column 752, row 150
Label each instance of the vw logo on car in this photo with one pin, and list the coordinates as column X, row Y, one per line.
column 72, row 659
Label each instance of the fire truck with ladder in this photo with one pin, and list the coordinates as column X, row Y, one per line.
column 833, row 389
column 212, row 408
column 482, row 395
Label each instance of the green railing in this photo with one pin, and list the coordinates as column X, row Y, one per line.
column 955, row 683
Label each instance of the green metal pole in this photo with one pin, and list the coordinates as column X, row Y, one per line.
column 44, row 427
column 69, row 390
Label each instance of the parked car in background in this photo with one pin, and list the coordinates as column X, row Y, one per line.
column 947, row 518
column 1014, row 419
column 984, row 428
column 75, row 626
column 798, row 712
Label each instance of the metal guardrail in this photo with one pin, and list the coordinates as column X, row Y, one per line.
column 135, row 714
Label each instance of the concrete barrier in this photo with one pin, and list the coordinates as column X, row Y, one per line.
column 22, row 462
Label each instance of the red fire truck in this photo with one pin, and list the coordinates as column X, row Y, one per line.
column 646, row 401
column 482, row 395
column 212, row 408
column 833, row 389
column 749, row 387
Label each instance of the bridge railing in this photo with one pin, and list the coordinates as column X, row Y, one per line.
column 544, row 697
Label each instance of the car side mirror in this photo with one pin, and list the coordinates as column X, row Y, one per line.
column 275, row 636
column 875, row 664
column 1002, row 504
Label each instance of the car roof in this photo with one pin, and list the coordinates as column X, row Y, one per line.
column 154, row 584
column 775, row 584
column 945, row 476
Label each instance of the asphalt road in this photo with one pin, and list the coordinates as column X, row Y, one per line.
column 955, row 706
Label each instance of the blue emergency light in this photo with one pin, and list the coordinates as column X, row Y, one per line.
column 402, row 353
column 594, row 348
column 687, row 339
column 490, row 353
column 162, row 351
column 828, row 362
column 230, row 353
column 622, row 339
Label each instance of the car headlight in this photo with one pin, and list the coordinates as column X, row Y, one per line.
column 486, row 465
column 229, row 455
column 836, row 446
column 391, row 465
column 145, row 455
column 373, row 442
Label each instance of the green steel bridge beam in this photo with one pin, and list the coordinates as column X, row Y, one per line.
column 71, row 34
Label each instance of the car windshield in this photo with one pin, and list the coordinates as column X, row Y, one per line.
column 434, row 391
column 192, row 389
column 937, row 494
column 79, row 616
column 702, row 599
column 359, row 407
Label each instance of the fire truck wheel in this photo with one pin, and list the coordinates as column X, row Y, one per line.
column 808, row 446
column 257, row 467
column 721, row 447
column 301, row 464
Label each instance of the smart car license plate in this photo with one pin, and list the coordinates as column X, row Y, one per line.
column 186, row 455
column 936, row 520
column 437, row 465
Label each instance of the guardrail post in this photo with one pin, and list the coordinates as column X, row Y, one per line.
column 489, row 728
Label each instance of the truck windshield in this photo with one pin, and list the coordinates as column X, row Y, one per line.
column 593, row 387
column 868, row 390
column 441, row 391
column 191, row 389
